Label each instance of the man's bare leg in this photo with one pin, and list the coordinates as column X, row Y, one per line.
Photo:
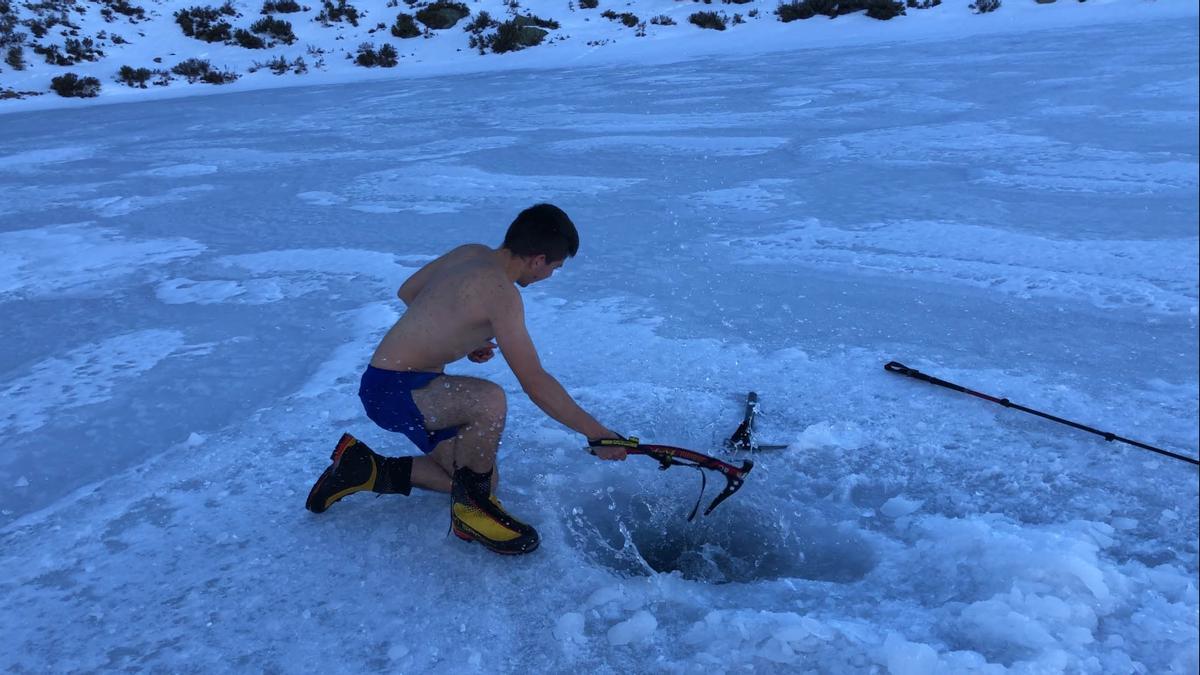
column 478, row 408
column 429, row 475
column 430, row 472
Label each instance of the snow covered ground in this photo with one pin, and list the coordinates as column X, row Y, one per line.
column 190, row 288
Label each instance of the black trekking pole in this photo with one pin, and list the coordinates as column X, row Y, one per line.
column 901, row 369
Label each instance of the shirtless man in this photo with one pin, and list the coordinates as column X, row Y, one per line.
column 464, row 303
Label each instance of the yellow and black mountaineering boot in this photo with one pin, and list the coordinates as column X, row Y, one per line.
column 475, row 515
column 355, row 468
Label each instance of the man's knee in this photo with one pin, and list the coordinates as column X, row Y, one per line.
column 492, row 405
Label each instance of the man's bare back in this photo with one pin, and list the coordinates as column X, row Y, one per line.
column 448, row 311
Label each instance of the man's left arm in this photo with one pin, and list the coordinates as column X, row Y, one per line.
column 543, row 389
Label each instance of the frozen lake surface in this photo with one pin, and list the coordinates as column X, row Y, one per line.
column 190, row 289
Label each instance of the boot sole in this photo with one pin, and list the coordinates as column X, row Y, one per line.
column 467, row 535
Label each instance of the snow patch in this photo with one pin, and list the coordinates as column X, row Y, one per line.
column 716, row 146
column 83, row 376
column 49, row 261
column 182, row 290
column 640, row 626
column 111, row 207
column 568, row 628
column 178, row 171
column 30, row 161
column 897, row 507
column 1156, row 275
column 317, row 198
column 420, row 188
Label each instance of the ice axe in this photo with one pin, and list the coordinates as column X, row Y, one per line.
column 669, row 456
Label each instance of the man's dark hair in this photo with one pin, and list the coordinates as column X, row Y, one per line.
column 542, row 229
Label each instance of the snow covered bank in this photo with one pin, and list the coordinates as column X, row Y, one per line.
column 584, row 38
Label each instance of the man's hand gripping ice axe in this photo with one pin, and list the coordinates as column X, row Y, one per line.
column 669, row 456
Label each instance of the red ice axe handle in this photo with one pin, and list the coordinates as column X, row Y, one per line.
column 668, row 456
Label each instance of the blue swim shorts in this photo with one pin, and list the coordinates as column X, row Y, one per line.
column 386, row 395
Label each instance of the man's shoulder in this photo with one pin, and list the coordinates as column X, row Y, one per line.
column 479, row 270
column 468, row 262
column 469, row 250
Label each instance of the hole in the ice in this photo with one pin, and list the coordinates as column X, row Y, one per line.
column 637, row 535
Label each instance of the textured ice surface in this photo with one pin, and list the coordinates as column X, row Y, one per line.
column 189, row 295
